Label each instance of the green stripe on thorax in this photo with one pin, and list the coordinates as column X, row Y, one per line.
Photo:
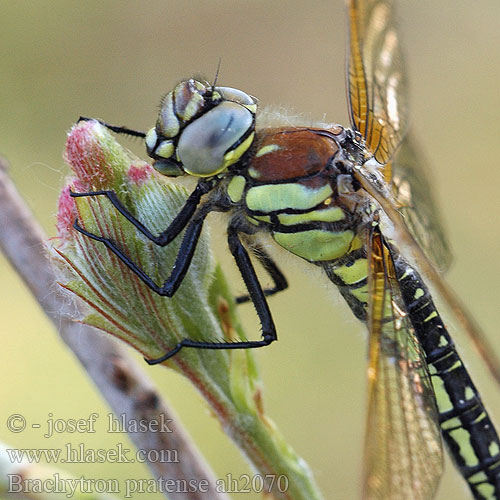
column 318, row 245
column 235, row 188
column 274, row 197
column 329, row 214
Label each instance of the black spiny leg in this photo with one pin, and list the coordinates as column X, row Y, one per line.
column 175, row 227
column 182, row 262
column 267, row 262
column 114, row 128
column 257, row 296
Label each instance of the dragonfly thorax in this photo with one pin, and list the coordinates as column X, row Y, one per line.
column 297, row 186
column 201, row 129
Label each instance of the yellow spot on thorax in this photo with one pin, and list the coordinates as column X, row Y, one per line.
column 235, row 188
column 165, row 149
column 267, row 149
column 254, row 174
column 362, row 293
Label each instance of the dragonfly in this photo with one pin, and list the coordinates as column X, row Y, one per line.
column 353, row 201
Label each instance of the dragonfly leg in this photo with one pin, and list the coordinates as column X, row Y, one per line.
column 182, row 262
column 268, row 263
column 175, row 227
column 257, row 296
column 114, row 128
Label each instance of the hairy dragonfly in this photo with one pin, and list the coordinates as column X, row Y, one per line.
column 354, row 202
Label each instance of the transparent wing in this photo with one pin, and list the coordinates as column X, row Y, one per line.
column 378, row 110
column 403, row 451
column 380, row 191
column 376, row 77
column 414, row 200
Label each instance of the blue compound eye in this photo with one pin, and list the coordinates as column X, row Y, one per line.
column 213, row 142
column 236, row 95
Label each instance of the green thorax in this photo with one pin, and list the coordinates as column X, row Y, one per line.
column 294, row 188
column 291, row 189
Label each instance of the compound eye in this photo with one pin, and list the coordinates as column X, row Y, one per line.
column 168, row 167
column 151, row 140
column 235, row 95
column 208, row 145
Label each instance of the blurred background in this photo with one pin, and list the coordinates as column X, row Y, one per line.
column 114, row 60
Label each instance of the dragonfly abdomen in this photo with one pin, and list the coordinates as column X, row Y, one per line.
column 350, row 275
column 465, row 424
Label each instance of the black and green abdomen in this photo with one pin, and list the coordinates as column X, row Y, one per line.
column 465, row 424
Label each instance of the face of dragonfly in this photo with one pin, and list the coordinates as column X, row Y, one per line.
column 201, row 130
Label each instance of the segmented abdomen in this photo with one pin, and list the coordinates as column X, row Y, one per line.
column 465, row 424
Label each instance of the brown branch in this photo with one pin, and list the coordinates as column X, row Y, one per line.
column 126, row 388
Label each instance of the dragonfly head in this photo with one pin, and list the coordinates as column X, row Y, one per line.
column 201, row 129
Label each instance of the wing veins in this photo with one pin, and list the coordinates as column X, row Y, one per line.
column 397, row 394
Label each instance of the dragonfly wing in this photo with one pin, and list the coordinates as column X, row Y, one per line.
column 403, row 451
column 379, row 112
column 380, row 191
column 376, row 77
column 413, row 197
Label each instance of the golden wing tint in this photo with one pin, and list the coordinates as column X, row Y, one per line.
column 380, row 191
column 403, row 452
column 376, row 78
column 413, row 195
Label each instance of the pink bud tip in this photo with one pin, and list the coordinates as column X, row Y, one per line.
column 86, row 156
column 139, row 173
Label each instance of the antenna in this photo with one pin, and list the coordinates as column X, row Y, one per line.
column 217, row 72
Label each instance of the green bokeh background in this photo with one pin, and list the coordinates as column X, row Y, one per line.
column 113, row 60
